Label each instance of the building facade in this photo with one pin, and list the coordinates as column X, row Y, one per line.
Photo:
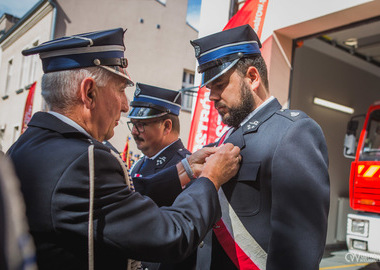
column 157, row 48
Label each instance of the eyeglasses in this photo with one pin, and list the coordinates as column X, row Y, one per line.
column 140, row 126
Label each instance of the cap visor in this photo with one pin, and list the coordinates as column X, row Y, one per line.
column 120, row 72
column 215, row 72
column 145, row 113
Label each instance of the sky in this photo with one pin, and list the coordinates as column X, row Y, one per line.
column 19, row 8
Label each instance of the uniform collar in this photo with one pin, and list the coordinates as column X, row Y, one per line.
column 265, row 112
column 70, row 122
column 249, row 116
column 166, row 154
column 254, row 122
column 48, row 121
column 162, row 150
column 253, row 113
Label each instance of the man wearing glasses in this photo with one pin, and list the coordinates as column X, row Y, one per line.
column 155, row 128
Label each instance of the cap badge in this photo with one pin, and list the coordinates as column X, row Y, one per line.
column 197, row 50
column 96, row 62
column 124, row 62
column 138, row 91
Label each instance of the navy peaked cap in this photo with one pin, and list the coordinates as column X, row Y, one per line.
column 104, row 49
column 151, row 101
column 219, row 52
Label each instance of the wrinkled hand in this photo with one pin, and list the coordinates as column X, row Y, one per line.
column 198, row 158
column 222, row 165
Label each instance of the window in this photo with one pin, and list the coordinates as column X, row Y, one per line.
column 24, row 71
column 191, row 78
column 28, row 68
column 189, row 91
column 371, row 149
column 9, row 76
column 33, row 65
column 16, row 133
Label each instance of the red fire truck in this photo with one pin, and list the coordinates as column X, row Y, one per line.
column 363, row 228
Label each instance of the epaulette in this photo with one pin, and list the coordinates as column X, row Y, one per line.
column 293, row 115
column 182, row 152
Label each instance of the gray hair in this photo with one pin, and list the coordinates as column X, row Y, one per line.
column 60, row 88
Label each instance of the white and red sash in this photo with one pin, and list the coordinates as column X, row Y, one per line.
column 237, row 242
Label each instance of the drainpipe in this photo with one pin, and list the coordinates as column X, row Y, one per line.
column 52, row 35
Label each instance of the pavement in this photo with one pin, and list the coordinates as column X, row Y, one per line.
column 344, row 260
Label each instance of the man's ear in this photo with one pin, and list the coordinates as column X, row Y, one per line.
column 253, row 77
column 168, row 125
column 88, row 92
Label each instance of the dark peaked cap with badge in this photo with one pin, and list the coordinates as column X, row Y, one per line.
column 151, row 101
column 104, row 49
column 219, row 52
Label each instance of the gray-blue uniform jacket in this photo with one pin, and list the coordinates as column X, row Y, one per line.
column 281, row 193
column 144, row 167
column 52, row 162
column 167, row 158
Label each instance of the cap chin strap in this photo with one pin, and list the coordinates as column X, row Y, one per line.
column 148, row 117
column 233, row 63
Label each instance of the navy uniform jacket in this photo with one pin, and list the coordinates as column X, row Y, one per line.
column 281, row 192
column 51, row 160
column 169, row 157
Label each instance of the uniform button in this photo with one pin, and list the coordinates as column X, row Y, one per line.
column 201, row 244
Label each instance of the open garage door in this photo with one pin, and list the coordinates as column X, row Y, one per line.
column 341, row 65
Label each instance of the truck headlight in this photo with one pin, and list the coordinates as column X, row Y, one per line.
column 359, row 227
column 358, row 244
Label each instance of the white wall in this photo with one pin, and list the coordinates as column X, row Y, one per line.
column 280, row 13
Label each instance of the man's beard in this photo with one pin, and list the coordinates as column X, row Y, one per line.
column 238, row 113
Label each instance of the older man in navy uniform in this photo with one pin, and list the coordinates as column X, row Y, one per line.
column 274, row 212
column 155, row 127
column 80, row 203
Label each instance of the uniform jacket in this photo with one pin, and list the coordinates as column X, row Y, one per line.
column 281, row 192
column 150, row 187
column 51, row 160
column 169, row 157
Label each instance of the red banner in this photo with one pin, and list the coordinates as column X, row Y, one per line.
column 206, row 125
column 253, row 13
column 126, row 155
column 199, row 123
column 28, row 107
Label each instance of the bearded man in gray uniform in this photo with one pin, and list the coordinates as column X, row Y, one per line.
column 274, row 212
column 80, row 203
